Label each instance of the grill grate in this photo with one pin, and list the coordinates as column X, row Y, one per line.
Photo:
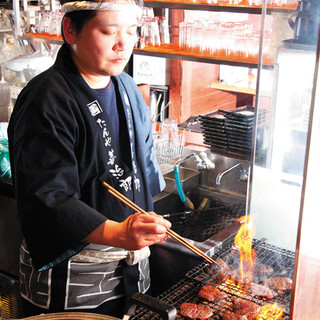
column 199, row 225
column 10, row 299
column 186, row 290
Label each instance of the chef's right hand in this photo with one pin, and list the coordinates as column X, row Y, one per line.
column 136, row 232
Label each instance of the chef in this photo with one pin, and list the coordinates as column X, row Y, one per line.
column 79, row 124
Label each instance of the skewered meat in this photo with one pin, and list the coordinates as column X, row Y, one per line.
column 279, row 283
column 195, row 311
column 219, row 271
column 262, row 270
column 262, row 291
column 211, row 293
column 233, row 316
column 245, row 307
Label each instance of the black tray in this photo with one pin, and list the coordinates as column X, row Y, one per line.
column 215, row 144
column 244, row 112
column 213, row 127
column 232, row 122
column 217, row 114
column 231, row 126
column 220, row 133
column 239, row 144
column 215, row 138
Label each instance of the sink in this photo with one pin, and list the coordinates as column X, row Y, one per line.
column 166, row 203
column 189, row 179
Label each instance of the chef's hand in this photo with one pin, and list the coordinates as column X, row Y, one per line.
column 136, row 232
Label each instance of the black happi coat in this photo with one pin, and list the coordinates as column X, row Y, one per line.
column 60, row 155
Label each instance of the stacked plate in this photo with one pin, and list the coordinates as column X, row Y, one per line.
column 214, row 129
column 239, row 128
column 231, row 130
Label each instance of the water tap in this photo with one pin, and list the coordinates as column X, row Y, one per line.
column 243, row 173
column 202, row 163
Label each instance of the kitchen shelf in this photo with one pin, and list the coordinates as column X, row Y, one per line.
column 173, row 51
column 42, row 37
column 230, row 88
column 191, row 5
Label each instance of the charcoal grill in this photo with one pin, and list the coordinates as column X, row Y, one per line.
column 186, row 290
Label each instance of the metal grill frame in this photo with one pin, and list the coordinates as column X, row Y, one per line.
column 200, row 225
column 186, row 290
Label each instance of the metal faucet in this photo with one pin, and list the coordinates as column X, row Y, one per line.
column 202, row 163
column 243, row 173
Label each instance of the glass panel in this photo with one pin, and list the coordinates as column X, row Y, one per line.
column 285, row 166
column 306, row 304
column 281, row 135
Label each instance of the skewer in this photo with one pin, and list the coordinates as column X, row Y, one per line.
column 173, row 234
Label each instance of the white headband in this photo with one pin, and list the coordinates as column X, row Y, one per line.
column 89, row 5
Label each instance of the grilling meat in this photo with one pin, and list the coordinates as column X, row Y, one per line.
column 236, row 276
column 218, row 271
column 195, row 311
column 279, row 283
column 261, row 291
column 233, row 316
column 211, row 293
column 245, row 308
column 262, row 270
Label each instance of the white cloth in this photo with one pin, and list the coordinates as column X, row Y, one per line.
column 114, row 254
column 106, row 5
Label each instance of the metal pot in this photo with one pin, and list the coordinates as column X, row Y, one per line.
column 165, row 310
column 305, row 21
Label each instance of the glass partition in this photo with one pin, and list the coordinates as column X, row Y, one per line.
column 305, row 302
column 286, row 160
column 283, row 110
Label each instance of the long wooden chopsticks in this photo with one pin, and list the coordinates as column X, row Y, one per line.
column 173, row 234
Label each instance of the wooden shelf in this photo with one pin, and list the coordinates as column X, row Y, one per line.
column 173, row 51
column 203, row 5
column 43, row 37
column 230, row 88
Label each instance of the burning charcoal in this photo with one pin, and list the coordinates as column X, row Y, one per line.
column 262, row 270
column 211, row 293
column 219, row 271
column 245, row 307
column 279, row 283
column 195, row 311
column 261, row 291
column 233, row 316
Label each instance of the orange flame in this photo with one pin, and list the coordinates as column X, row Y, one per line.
column 243, row 241
column 270, row 311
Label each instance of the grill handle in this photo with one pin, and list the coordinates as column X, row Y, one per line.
column 166, row 311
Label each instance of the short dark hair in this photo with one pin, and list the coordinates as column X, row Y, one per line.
column 77, row 18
